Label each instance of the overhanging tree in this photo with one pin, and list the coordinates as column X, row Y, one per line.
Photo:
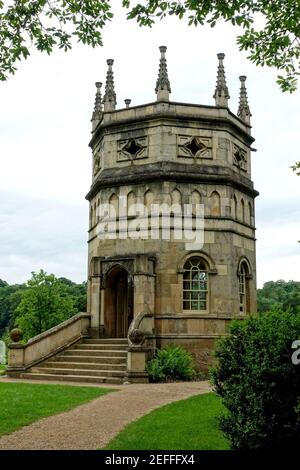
column 270, row 29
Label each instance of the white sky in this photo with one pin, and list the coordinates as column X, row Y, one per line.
column 45, row 129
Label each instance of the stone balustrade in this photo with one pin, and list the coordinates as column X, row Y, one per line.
column 23, row 356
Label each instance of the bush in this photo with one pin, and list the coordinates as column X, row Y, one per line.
column 258, row 382
column 171, row 363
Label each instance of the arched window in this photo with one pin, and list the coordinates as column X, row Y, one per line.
column 195, row 285
column 195, row 199
column 148, row 199
column 95, row 214
column 131, row 204
column 242, row 211
column 244, row 294
column 250, row 213
column 176, row 197
column 91, row 215
column 98, row 210
column 215, row 204
column 114, row 203
column 235, row 207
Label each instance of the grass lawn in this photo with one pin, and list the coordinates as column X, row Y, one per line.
column 22, row 403
column 183, row 425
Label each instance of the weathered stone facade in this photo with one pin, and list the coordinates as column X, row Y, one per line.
column 168, row 152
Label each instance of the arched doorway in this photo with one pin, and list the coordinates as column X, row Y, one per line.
column 118, row 303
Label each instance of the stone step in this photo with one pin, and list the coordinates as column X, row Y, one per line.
column 83, row 365
column 94, row 359
column 106, row 341
column 107, row 347
column 94, row 352
column 73, row 372
column 71, row 378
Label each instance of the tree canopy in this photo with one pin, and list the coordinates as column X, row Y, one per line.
column 279, row 295
column 269, row 31
column 42, row 302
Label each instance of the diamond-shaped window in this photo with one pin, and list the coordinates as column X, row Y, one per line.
column 194, row 146
column 240, row 156
column 132, row 147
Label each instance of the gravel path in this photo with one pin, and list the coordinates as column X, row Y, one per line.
column 94, row 424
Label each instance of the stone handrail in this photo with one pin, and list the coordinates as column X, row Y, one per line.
column 47, row 344
column 140, row 327
column 140, row 342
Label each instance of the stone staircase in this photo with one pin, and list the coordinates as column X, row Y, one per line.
column 91, row 360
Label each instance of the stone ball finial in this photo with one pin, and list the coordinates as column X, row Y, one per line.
column 98, row 84
column 221, row 55
column 136, row 336
column 16, row 335
column 163, row 49
column 110, row 61
column 243, row 78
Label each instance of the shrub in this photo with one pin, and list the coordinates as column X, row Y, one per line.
column 171, row 363
column 258, row 382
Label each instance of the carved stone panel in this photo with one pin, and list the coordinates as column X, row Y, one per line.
column 223, row 148
column 97, row 158
column 194, row 147
column 239, row 157
column 132, row 149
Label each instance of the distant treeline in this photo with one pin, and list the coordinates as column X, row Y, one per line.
column 279, row 295
column 40, row 303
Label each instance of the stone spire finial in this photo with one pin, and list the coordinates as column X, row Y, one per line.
column 110, row 99
column 163, row 88
column 221, row 93
column 97, row 113
column 244, row 112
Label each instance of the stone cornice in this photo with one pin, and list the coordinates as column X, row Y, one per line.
column 173, row 113
column 171, row 171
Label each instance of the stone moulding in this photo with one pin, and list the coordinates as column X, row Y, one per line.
column 173, row 112
column 23, row 356
column 163, row 171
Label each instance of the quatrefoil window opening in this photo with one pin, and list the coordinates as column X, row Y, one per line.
column 239, row 156
column 194, row 146
column 132, row 148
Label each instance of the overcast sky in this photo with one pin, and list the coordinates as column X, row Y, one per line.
column 45, row 129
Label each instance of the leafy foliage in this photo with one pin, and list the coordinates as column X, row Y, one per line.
column 171, row 363
column 43, row 305
column 271, row 28
column 47, row 24
column 296, row 168
column 258, row 382
column 280, row 295
column 43, row 302
column 10, row 297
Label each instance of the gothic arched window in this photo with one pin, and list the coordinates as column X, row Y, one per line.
column 195, row 285
column 244, row 294
column 215, row 204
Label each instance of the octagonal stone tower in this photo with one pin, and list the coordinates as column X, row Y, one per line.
column 190, row 155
